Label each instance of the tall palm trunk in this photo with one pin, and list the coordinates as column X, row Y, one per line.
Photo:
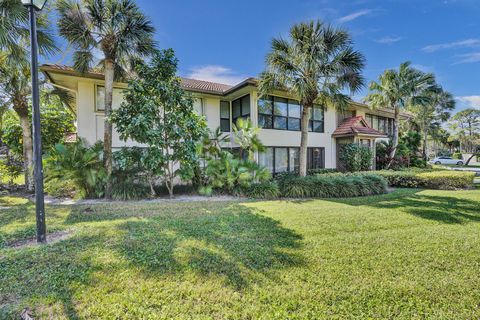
column 425, row 141
column 107, row 137
column 396, row 124
column 21, row 108
column 304, row 139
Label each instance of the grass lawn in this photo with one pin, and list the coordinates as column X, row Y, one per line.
column 408, row 254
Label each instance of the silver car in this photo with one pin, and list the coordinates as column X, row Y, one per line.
column 446, row 160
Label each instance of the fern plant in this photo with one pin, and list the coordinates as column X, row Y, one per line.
column 80, row 163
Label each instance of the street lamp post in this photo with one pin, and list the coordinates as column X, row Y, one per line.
column 33, row 6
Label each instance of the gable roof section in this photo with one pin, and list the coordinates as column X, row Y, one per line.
column 356, row 126
column 194, row 85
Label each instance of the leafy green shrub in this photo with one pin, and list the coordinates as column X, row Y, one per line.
column 356, row 157
column 457, row 155
column 262, row 190
column 446, row 180
column 10, row 169
column 127, row 190
column 79, row 163
column 61, row 188
column 230, row 174
column 312, row 172
column 430, row 179
column 335, row 185
column 130, row 177
column 205, row 191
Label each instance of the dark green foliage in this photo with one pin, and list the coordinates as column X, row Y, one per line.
column 56, row 122
column 408, row 153
column 312, row 172
column 262, row 190
column 61, row 188
column 230, row 174
column 336, row 185
column 79, row 163
column 436, row 179
column 157, row 112
column 10, row 169
column 130, row 176
column 356, row 157
column 127, row 190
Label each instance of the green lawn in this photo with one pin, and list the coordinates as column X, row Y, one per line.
column 409, row 254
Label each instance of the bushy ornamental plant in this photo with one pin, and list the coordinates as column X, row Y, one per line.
column 356, row 157
column 79, row 163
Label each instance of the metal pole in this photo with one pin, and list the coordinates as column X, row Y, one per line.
column 37, row 138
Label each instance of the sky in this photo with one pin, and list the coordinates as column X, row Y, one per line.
column 226, row 41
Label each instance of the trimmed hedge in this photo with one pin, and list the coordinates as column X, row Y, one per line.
column 335, row 185
column 262, row 190
column 440, row 179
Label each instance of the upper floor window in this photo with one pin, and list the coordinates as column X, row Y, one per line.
column 317, row 119
column 225, row 116
column 100, row 97
column 241, row 108
column 279, row 113
column 285, row 114
column 198, row 106
column 382, row 124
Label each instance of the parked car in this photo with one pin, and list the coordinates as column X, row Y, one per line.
column 446, row 160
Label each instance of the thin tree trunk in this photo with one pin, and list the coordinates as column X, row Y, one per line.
column 107, row 137
column 22, row 112
column 425, row 140
column 304, row 139
column 396, row 124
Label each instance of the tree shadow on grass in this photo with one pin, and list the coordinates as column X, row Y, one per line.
column 234, row 244
column 48, row 271
column 229, row 242
column 445, row 209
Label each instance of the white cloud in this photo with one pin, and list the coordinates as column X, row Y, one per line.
column 469, row 101
column 468, row 43
column 422, row 67
column 468, row 58
column 354, row 15
column 215, row 73
column 388, row 40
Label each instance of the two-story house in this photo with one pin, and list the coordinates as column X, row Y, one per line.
column 278, row 115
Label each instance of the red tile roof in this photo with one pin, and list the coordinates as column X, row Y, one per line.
column 204, row 86
column 356, row 126
column 187, row 84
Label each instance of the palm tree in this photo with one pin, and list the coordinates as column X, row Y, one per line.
column 246, row 136
column 430, row 114
column 120, row 32
column 397, row 90
column 15, row 68
column 315, row 65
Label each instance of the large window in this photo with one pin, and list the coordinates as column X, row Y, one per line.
column 287, row 159
column 279, row 113
column 241, row 108
column 379, row 123
column 225, row 116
